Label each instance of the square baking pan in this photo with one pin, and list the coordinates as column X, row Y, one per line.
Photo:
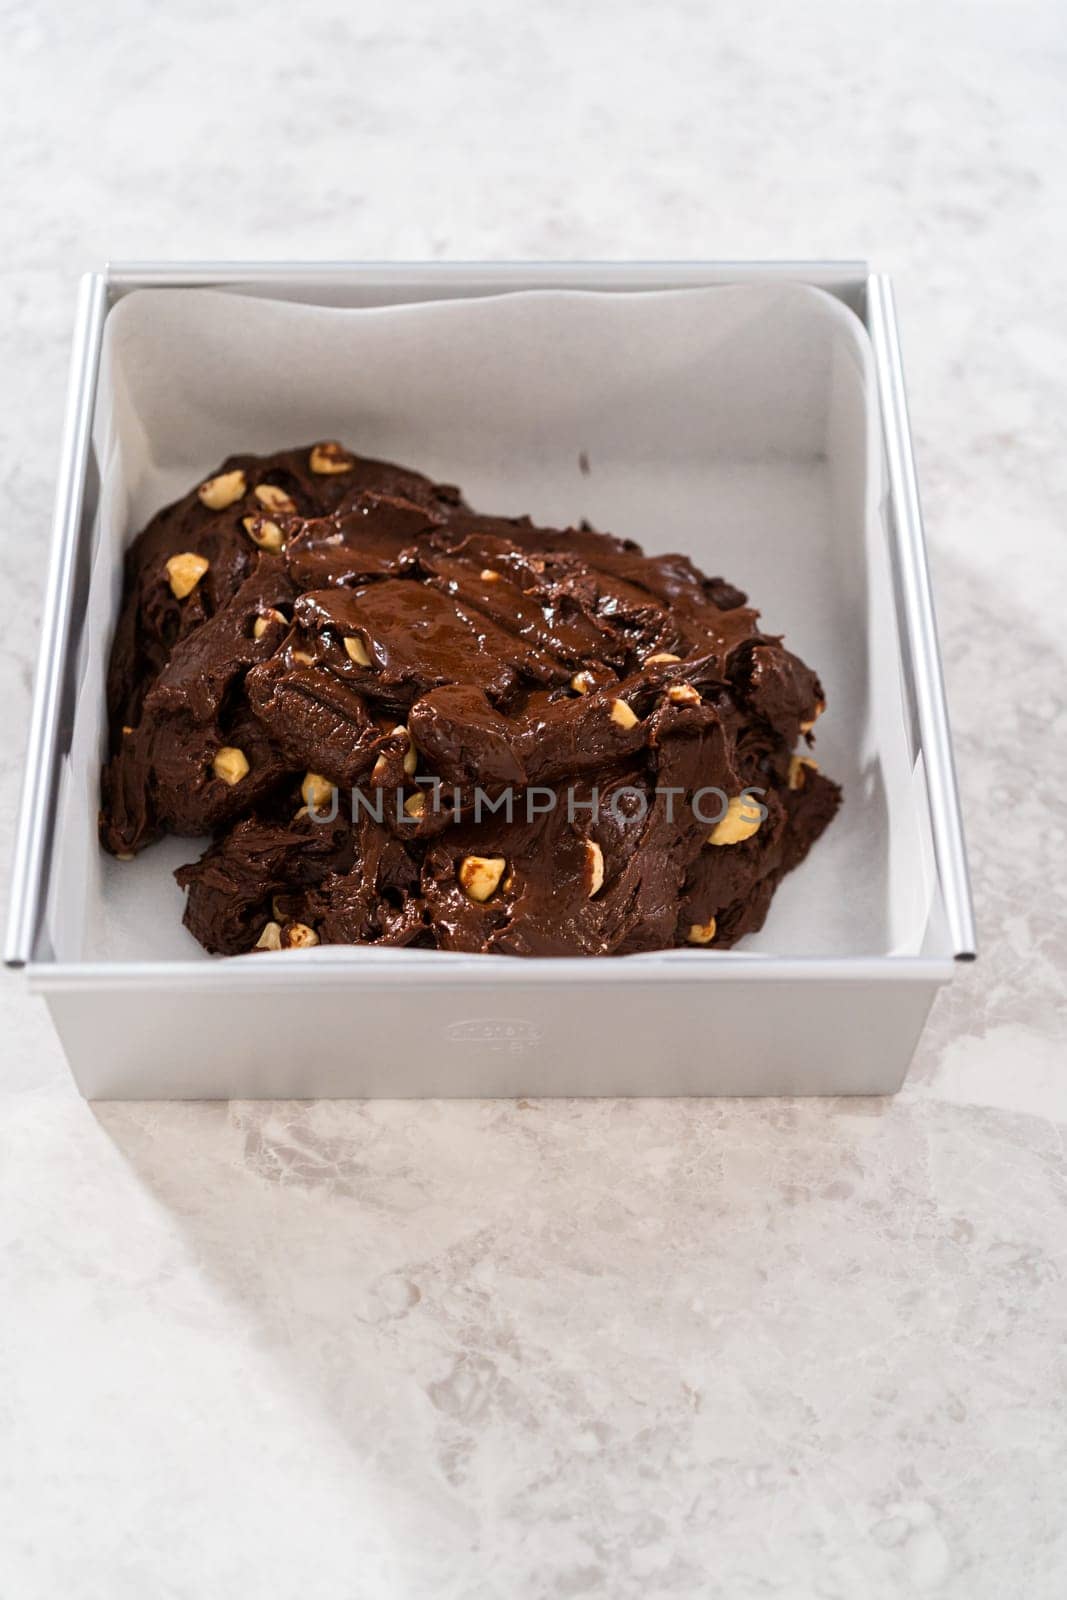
column 349, row 1023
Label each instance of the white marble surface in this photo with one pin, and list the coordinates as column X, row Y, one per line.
column 807, row 1351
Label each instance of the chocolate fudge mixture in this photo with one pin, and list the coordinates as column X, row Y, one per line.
column 407, row 723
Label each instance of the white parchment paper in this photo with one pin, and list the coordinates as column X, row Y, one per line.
column 737, row 424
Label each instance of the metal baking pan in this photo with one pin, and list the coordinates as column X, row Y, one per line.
column 345, row 1027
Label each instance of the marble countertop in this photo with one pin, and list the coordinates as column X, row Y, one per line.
column 800, row 1350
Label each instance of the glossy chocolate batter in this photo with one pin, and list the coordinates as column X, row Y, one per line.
column 406, row 723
